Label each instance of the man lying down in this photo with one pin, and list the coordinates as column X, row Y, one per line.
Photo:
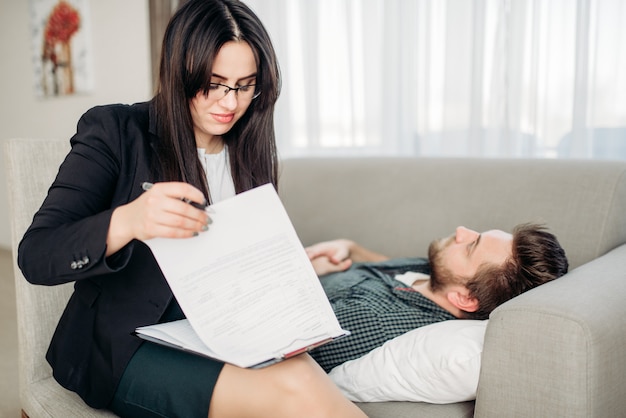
column 466, row 276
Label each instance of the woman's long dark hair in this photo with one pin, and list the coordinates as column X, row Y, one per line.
column 192, row 39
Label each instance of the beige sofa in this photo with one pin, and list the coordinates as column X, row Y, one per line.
column 555, row 351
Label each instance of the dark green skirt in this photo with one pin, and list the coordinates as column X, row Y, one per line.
column 165, row 382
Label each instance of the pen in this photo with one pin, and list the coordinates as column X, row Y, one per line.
column 147, row 186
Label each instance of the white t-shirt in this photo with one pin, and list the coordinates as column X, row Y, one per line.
column 411, row 277
column 219, row 177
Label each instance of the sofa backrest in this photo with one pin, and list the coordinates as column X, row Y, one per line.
column 398, row 205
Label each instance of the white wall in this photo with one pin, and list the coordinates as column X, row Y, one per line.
column 121, row 63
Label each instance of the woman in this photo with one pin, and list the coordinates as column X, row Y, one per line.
column 130, row 176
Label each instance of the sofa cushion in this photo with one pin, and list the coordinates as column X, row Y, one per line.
column 437, row 363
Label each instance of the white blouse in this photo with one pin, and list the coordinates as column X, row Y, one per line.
column 217, row 170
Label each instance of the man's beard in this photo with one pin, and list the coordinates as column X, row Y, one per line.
column 440, row 276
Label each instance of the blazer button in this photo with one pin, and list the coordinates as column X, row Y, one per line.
column 79, row 264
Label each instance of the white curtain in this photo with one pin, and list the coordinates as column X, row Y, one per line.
column 494, row 78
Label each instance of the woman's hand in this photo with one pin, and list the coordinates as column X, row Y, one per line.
column 158, row 212
column 330, row 256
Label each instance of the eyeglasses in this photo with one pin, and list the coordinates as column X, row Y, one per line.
column 218, row 91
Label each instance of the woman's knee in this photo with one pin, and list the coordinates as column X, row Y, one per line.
column 298, row 372
column 306, row 387
column 297, row 387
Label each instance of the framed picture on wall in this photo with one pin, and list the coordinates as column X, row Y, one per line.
column 61, row 47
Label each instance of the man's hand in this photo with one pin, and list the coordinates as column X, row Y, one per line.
column 330, row 256
column 323, row 266
column 338, row 255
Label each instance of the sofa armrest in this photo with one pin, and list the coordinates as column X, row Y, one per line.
column 558, row 350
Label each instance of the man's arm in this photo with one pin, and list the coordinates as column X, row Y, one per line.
column 338, row 255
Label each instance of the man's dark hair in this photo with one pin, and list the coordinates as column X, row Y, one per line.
column 537, row 259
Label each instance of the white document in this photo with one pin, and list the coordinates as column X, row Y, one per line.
column 246, row 285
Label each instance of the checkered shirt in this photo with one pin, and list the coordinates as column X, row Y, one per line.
column 375, row 308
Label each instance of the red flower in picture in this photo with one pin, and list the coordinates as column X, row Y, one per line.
column 63, row 22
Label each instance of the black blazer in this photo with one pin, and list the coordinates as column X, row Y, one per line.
column 93, row 343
